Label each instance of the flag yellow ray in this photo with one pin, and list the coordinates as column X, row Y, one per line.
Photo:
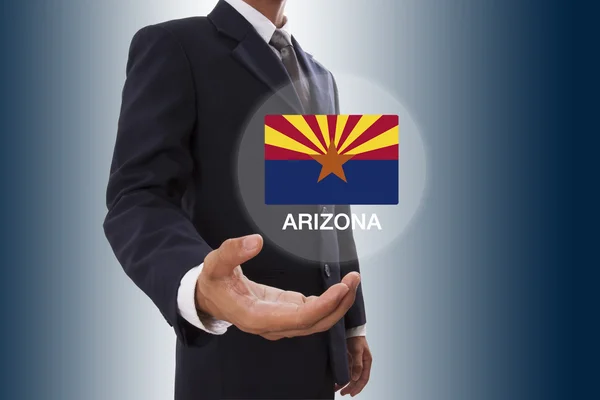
column 341, row 123
column 324, row 125
column 365, row 122
column 278, row 139
column 388, row 138
column 300, row 123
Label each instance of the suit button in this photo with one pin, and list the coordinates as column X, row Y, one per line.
column 327, row 270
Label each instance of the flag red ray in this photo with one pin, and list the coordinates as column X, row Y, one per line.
column 277, row 153
column 350, row 124
column 279, row 123
column 311, row 120
column 383, row 124
column 384, row 153
column 332, row 124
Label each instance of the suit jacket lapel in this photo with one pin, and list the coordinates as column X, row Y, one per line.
column 259, row 59
column 254, row 54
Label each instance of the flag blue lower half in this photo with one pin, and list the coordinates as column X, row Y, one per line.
column 296, row 182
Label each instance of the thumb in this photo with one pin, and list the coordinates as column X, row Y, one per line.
column 233, row 252
column 352, row 280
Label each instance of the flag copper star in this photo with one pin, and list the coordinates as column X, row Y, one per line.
column 332, row 163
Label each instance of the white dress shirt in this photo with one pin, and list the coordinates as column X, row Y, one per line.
column 186, row 295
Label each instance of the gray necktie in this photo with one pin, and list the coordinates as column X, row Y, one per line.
column 282, row 44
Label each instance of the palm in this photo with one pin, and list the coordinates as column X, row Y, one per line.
column 261, row 295
column 227, row 294
column 267, row 301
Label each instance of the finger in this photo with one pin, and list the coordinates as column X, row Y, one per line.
column 365, row 376
column 337, row 387
column 328, row 319
column 272, row 294
column 352, row 279
column 289, row 297
column 349, row 364
column 261, row 291
column 357, row 365
column 233, row 252
column 347, row 302
column 348, row 388
column 275, row 317
column 356, row 387
column 272, row 336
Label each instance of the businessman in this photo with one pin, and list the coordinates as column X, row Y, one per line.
column 252, row 321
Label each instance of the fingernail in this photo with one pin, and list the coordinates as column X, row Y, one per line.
column 346, row 290
column 355, row 282
column 250, row 242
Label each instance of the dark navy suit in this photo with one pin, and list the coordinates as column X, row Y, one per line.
column 191, row 86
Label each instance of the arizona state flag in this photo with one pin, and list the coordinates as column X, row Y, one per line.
column 331, row 159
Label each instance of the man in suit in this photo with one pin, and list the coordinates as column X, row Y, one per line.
column 252, row 321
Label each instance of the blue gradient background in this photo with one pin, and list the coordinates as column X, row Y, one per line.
column 470, row 303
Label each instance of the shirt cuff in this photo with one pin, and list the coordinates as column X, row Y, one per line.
column 186, row 304
column 358, row 331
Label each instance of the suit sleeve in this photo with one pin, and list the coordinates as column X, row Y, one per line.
column 356, row 316
column 149, row 232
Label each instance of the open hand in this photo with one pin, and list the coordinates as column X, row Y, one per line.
column 224, row 292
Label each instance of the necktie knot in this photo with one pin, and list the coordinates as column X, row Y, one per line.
column 280, row 40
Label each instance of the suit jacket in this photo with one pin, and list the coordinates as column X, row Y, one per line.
column 191, row 86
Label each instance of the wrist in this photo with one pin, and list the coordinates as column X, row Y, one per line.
column 200, row 299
